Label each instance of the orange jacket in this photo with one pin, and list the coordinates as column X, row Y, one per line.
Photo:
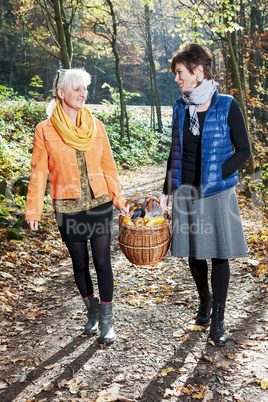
column 51, row 154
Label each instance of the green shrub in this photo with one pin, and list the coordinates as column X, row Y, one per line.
column 260, row 188
column 17, row 123
column 144, row 147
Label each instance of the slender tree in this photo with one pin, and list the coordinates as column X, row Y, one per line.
column 108, row 29
column 58, row 17
column 152, row 69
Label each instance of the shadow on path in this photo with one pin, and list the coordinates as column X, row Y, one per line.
column 16, row 388
column 213, row 374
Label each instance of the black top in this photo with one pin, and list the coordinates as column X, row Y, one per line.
column 191, row 160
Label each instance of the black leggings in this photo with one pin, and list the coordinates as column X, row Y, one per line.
column 220, row 276
column 100, row 247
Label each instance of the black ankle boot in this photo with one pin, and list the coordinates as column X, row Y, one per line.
column 92, row 325
column 106, row 323
column 217, row 331
column 203, row 315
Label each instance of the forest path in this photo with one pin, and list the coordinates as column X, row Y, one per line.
column 159, row 353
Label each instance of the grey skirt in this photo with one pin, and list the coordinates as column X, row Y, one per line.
column 208, row 227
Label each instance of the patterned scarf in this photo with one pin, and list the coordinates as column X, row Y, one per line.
column 80, row 137
column 196, row 97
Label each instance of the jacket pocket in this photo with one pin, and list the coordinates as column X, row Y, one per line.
column 54, row 143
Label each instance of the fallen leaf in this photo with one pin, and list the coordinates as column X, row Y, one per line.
column 204, row 393
column 238, row 398
column 231, row 356
column 208, row 358
column 62, row 383
column 83, row 393
column 223, row 392
column 120, row 378
column 187, row 390
column 109, row 394
column 208, row 395
column 165, row 372
column 254, row 263
column 49, row 387
column 168, row 393
column 178, row 333
column 223, row 365
column 3, row 385
column 197, row 328
column 74, row 387
column 264, row 384
column 51, row 366
column 6, row 275
column 87, row 367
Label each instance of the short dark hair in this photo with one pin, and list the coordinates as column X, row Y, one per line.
column 194, row 55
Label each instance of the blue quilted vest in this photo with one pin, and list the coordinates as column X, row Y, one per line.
column 216, row 148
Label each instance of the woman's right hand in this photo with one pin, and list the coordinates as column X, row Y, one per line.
column 125, row 211
column 33, row 225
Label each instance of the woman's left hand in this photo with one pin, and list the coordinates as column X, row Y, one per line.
column 163, row 200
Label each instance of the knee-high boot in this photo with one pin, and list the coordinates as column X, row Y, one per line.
column 93, row 316
column 203, row 315
column 217, row 331
column 106, row 323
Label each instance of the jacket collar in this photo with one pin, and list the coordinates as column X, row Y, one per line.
column 181, row 105
column 49, row 122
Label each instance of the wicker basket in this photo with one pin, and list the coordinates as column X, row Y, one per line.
column 144, row 245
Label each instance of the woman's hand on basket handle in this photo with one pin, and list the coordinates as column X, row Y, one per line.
column 163, row 200
column 125, row 211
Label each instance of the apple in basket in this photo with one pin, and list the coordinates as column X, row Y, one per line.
column 139, row 221
column 128, row 220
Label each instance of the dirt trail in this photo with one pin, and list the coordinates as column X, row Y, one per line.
column 159, row 353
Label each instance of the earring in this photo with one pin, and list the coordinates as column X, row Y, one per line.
column 198, row 79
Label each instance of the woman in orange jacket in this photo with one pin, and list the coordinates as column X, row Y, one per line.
column 73, row 146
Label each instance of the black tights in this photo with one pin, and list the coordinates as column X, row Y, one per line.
column 100, row 247
column 220, row 276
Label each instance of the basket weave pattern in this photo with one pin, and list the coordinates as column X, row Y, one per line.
column 144, row 245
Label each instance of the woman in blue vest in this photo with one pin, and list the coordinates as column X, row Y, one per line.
column 209, row 143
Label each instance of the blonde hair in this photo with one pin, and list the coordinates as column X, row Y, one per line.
column 67, row 79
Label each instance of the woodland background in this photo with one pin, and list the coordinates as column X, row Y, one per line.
column 127, row 47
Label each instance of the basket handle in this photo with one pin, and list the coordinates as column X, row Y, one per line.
column 141, row 196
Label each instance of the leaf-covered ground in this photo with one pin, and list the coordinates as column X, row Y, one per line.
column 159, row 353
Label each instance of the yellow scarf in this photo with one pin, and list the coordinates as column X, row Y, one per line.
column 80, row 137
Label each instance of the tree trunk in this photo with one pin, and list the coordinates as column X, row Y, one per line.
column 118, row 73
column 240, row 96
column 64, row 36
column 166, row 55
column 120, row 89
column 152, row 68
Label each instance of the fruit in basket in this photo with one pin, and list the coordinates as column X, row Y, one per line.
column 156, row 220
column 127, row 219
column 139, row 221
